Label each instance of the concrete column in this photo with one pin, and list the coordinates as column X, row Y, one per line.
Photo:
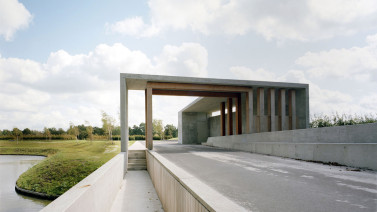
column 149, row 118
column 271, row 110
column 230, row 116
column 281, row 109
column 124, row 121
column 238, row 116
column 222, row 118
column 249, row 111
column 292, row 109
column 260, row 108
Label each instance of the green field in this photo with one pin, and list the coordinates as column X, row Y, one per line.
column 67, row 162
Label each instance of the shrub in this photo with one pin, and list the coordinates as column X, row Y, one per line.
column 139, row 137
column 340, row 120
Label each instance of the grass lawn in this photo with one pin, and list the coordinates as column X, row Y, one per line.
column 67, row 162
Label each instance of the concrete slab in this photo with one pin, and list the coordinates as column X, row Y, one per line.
column 137, row 194
column 138, row 145
column 268, row 183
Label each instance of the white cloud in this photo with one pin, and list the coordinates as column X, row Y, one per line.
column 359, row 63
column 303, row 20
column 187, row 59
column 257, row 75
column 134, row 27
column 13, row 17
column 77, row 87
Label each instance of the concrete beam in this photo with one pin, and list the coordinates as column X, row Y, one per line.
column 281, row 110
column 230, row 116
column 260, row 108
column 249, row 111
column 238, row 115
column 124, row 120
column 149, row 119
column 292, row 109
column 222, row 116
column 271, row 109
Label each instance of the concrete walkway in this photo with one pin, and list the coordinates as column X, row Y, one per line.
column 267, row 183
column 137, row 192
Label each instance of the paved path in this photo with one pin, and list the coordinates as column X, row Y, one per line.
column 267, row 183
column 137, row 192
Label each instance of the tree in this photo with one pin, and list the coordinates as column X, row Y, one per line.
column 26, row 131
column 171, row 130
column 16, row 133
column 47, row 133
column 73, row 130
column 142, row 128
column 158, row 128
column 89, row 131
column 108, row 124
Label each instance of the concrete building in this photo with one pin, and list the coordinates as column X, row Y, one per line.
column 258, row 106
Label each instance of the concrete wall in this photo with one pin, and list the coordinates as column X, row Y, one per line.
column 193, row 128
column 94, row 193
column 180, row 191
column 347, row 145
column 214, row 124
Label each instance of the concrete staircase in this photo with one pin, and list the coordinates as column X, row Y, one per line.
column 137, row 160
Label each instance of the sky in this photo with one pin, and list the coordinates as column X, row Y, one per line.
column 60, row 60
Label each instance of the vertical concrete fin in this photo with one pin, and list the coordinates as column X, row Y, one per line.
column 124, row 120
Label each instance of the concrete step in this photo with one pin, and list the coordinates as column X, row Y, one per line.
column 137, row 161
column 136, row 154
column 136, row 167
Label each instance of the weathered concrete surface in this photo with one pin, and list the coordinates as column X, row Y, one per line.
column 137, row 194
column 180, row 191
column 193, row 128
column 267, row 183
column 348, row 145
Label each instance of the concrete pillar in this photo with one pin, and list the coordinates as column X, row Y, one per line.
column 281, row 109
column 229, row 106
column 249, row 111
column 260, row 108
column 238, row 116
column 149, row 119
column 292, row 109
column 124, row 121
column 222, row 118
column 271, row 110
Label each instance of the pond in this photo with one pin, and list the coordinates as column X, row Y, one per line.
column 11, row 167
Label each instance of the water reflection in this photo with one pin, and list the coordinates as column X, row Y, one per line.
column 11, row 167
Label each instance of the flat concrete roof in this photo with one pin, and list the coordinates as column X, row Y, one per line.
column 139, row 81
column 204, row 104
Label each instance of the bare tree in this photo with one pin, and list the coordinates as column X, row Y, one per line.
column 108, row 123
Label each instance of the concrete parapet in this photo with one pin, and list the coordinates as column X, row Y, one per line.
column 347, row 145
column 94, row 193
column 180, row 191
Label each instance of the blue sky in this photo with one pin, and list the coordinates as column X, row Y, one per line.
column 60, row 61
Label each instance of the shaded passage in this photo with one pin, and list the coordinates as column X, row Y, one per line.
column 11, row 167
column 268, row 183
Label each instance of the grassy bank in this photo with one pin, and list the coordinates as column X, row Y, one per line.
column 67, row 163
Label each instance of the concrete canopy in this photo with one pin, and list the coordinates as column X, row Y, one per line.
column 139, row 81
column 214, row 92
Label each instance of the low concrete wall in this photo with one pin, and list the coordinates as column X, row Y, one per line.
column 94, row 193
column 180, row 191
column 347, row 145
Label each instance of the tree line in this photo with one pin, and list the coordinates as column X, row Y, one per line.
column 109, row 130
